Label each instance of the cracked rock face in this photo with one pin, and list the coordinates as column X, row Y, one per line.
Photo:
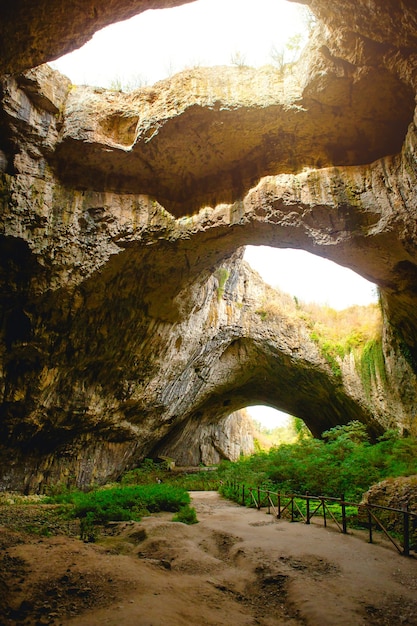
column 130, row 324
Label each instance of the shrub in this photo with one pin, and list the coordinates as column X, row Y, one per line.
column 222, row 274
column 147, row 472
column 88, row 530
column 186, row 515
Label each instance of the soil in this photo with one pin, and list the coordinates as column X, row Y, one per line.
column 236, row 566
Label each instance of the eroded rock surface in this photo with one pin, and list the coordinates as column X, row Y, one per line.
column 128, row 316
column 209, row 443
column 169, row 140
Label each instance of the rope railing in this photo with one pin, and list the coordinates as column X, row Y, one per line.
column 281, row 503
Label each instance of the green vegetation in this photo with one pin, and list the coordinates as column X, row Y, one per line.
column 285, row 56
column 291, row 432
column 300, row 509
column 150, row 488
column 330, row 351
column 338, row 333
column 409, row 354
column 151, row 472
column 276, row 306
column 186, row 515
column 344, row 462
column 356, row 330
column 123, row 503
column 372, row 364
column 222, row 274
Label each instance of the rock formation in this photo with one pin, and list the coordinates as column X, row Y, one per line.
column 209, row 443
column 398, row 493
column 128, row 315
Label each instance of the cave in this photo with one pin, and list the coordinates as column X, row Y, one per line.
column 130, row 321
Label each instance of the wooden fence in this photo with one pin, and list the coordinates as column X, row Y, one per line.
column 289, row 505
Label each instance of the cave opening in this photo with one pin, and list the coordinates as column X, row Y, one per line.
column 270, row 32
column 268, row 417
column 274, row 427
column 361, row 247
column 309, row 278
column 312, row 280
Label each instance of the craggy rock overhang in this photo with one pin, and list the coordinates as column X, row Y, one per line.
column 129, row 320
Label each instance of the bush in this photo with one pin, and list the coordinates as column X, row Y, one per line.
column 88, row 530
column 186, row 515
column 147, row 472
column 199, row 481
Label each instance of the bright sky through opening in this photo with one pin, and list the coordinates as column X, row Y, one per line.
column 157, row 43
column 310, row 278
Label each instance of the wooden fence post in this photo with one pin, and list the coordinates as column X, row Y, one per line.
column 279, row 505
column 343, row 505
column 259, row 498
column 406, row 531
column 307, row 508
column 370, row 526
column 292, row 508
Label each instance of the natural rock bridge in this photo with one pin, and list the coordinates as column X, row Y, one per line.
column 129, row 320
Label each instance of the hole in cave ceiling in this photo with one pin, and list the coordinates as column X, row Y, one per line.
column 310, row 278
column 158, row 43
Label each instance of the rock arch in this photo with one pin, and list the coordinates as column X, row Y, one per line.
column 133, row 313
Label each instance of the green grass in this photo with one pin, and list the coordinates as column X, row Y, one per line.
column 300, row 508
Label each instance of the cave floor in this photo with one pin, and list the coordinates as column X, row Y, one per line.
column 236, row 566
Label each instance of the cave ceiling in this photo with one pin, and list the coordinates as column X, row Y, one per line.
column 126, row 310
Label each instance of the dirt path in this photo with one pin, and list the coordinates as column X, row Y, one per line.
column 236, row 567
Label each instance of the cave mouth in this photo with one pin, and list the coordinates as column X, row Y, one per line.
column 275, row 427
column 272, row 32
column 309, row 278
column 268, row 417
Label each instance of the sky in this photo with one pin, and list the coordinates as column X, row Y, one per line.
column 310, row 278
column 158, row 43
